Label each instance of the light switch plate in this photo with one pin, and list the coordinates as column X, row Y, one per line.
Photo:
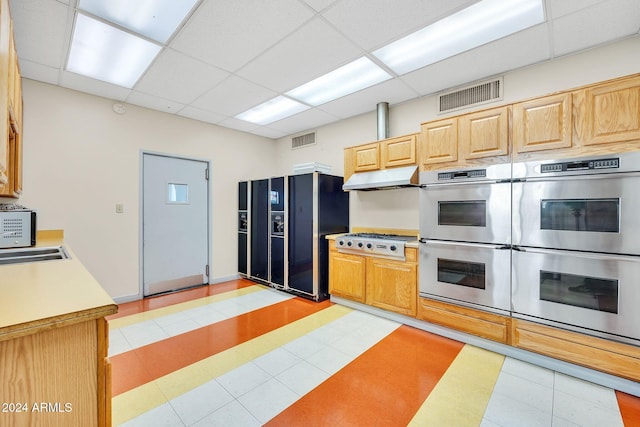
column 119, row 208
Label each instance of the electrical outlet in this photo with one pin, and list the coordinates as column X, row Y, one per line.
column 119, row 208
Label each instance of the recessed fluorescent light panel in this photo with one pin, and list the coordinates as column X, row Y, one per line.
column 484, row 22
column 106, row 53
column 273, row 110
column 155, row 19
column 348, row 79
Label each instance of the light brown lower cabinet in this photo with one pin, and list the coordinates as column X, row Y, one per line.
column 392, row 285
column 480, row 323
column 57, row 377
column 596, row 353
column 346, row 275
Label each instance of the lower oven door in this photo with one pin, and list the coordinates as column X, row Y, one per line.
column 596, row 293
column 470, row 212
column 471, row 274
column 597, row 213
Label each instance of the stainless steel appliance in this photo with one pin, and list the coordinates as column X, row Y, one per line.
column 465, row 229
column 581, row 204
column 576, row 253
column 469, row 205
column 17, row 226
column 593, row 293
column 374, row 244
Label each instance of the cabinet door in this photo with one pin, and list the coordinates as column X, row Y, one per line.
column 612, row 112
column 366, row 157
column 542, row 124
column 5, row 35
column 485, row 133
column 347, row 275
column 439, row 141
column 392, row 285
column 399, row 151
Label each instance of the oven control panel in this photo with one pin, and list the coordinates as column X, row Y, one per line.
column 612, row 163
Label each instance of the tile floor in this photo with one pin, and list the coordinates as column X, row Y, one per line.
column 240, row 354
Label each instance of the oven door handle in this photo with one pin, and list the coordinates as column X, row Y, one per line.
column 466, row 244
column 589, row 255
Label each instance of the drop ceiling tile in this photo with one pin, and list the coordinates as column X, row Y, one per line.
column 179, row 78
column 373, row 23
column 268, row 132
column 39, row 72
column 391, row 91
column 302, row 121
column 319, row 5
column 238, row 125
column 201, row 115
column 598, row 24
column 524, row 48
column 233, row 96
column 228, row 34
column 40, row 37
column 154, row 102
column 558, row 8
column 310, row 52
column 92, row 86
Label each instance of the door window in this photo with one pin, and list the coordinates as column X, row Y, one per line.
column 177, row 193
column 471, row 213
column 580, row 291
column 461, row 273
column 600, row 215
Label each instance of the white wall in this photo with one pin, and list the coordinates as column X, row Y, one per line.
column 399, row 208
column 80, row 159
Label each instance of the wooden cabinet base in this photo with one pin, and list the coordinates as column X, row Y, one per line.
column 595, row 353
column 486, row 325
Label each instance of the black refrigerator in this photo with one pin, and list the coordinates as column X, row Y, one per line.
column 243, row 228
column 259, row 231
column 316, row 206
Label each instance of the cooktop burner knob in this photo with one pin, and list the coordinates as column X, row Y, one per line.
column 369, row 245
column 360, row 244
column 349, row 243
column 393, row 247
column 341, row 242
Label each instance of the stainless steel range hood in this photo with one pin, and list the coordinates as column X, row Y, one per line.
column 406, row 176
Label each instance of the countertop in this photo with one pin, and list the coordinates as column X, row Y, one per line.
column 47, row 294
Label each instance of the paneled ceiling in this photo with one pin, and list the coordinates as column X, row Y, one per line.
column 231, row 55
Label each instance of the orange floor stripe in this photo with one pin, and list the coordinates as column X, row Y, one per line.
column 629, row 409
column 384, row 386
column 144, row 364
column 160, row 301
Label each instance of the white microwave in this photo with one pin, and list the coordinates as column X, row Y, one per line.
column 17, row 228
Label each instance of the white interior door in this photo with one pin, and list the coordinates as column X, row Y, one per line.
column 175, row 229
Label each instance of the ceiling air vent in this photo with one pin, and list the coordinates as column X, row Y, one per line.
column 480, row 93
column 303, row 140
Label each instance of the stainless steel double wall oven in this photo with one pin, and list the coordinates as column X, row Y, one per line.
column 556, row 242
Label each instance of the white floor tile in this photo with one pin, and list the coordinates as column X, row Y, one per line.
column 170, row 319
column 508, row 412
column 304, row 347
column 232, row 414
column 525, row 391
column 243, row 379
column 329, row 360
column 584, row 412
column 326, row 334
column 302, row 378
column 161, row 416
column 195, row 404
column 118, row 343
column 528, row 371
column 277, row 361
column 177, row 328
column 268, row 400
column 143, row 333
column 584, row 390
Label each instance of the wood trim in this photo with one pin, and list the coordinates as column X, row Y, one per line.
column 480, row 323
column 596, row 353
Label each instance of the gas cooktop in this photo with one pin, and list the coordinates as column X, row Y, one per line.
column 388, row 245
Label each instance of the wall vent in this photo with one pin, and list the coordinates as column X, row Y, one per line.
column 480, row 93
column 303, row 140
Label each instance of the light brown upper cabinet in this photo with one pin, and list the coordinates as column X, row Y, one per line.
column 610, row 112
column 464, row 140
column 439, row 141
column 484, row 134
column 400, row 151
column 543, row 123
column 366, row 157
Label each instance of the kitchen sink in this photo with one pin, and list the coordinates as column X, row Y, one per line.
column 17, row 256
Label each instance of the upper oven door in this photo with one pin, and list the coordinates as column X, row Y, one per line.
column 598, row 292
column 598, row 213
column 470, row 212
column 469, row 273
